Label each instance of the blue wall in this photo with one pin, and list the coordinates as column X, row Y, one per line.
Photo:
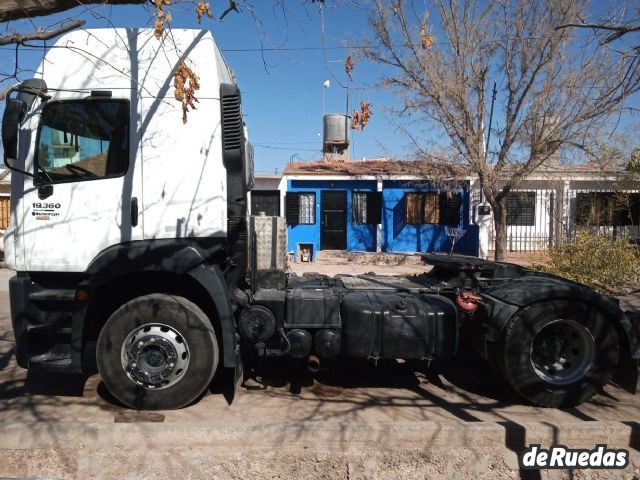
column 359, row 237
column 398, row 236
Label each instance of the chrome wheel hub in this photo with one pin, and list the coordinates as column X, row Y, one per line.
column 155, row 356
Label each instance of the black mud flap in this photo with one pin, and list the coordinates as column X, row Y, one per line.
column 627, row 378
column 626, row 375
column 238, row 375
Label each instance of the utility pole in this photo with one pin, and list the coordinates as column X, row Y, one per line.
column 486, row 147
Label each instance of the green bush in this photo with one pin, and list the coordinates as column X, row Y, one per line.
column 607, row 265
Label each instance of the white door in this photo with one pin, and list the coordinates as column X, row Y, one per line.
column 80, row 202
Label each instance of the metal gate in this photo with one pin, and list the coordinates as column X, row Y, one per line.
column 540, row 218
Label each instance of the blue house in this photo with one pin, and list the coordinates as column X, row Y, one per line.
column 374, row 205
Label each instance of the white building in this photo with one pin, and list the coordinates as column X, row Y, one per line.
column 268, row 194
column 555, row 202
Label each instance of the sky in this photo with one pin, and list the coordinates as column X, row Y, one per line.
column 281, row 85
column 282, row 61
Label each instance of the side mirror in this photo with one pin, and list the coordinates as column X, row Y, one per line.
column 13, row 114
column 45, row 191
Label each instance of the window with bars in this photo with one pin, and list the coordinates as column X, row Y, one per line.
column 521, row 209
column 437, row 208
column 267, row 201
column 413, row 208
column 366, row 208
column 628, row 208
column 301, row 208
column 607, row 209
column 450, row 205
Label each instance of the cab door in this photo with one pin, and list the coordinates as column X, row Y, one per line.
column 85, row 192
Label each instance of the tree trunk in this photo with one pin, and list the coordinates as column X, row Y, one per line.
column 16, row 9
column 500, row 228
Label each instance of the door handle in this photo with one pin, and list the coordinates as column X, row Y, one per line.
column 134, row 211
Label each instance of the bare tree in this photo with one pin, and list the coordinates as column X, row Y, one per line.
column 618, row 32
column 554, row 89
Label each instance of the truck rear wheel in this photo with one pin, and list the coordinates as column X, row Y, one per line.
column 157, row 352
column 558, row 353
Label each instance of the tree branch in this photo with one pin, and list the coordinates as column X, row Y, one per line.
column 602, row 26
column 617, row 30
column 233, row 7
column 17, row 9
column 45, row 35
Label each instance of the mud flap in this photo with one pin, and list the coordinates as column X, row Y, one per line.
column 238, row 374
column 626, row 375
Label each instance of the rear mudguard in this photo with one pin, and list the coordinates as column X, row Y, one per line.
column 503, row 300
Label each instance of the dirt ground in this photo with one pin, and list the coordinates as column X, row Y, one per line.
column 350, row 420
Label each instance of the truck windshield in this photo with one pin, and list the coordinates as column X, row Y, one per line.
column 83, row 140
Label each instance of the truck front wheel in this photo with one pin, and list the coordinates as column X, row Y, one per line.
column 558, row 353
column 157, row 352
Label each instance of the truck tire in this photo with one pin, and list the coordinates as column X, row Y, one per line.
column 157, row 352
column 558, row 353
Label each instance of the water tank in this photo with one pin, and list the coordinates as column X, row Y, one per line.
column 335, row 129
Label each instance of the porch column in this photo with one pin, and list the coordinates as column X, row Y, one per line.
column 379, row 226
column 563, row 231
column 484, row 222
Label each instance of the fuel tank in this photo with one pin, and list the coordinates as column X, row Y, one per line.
column 398, row 325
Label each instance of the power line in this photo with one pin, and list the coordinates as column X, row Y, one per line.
column 284, row 143
column 318, row 48
column 271, row 147
column 355, row 47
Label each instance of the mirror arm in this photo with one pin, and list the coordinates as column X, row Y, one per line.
column 30, row 90
column 15, row 169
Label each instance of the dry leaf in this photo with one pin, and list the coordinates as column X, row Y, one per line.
column 361, row 118
column 186, row 83
column 203, row 9
column 348, row 67
column 426, row 39
column 355, row 120
column 162, row 17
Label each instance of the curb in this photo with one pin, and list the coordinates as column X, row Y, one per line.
column 326, row 435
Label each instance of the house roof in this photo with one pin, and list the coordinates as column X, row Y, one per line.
column 378, row 167
column 429, row 169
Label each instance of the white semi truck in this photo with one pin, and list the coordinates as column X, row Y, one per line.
column 134, row 253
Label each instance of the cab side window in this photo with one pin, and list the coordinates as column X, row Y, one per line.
column 83, row 140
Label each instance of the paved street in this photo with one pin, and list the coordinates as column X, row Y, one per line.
column 393, row 416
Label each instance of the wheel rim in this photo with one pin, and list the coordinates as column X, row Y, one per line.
column 562, row 352
column 155, row 356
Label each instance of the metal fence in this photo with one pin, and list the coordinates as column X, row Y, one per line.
column 548, row 217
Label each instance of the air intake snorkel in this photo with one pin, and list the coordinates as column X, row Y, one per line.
column 234, row 158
